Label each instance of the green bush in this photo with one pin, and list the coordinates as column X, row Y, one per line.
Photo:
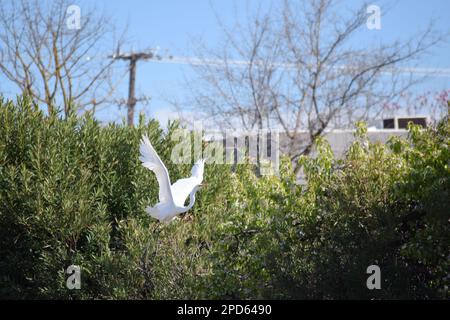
column 386, row 205
column 74, row 192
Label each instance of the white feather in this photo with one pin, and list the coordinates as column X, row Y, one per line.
column 151, row 160
column 171, row 197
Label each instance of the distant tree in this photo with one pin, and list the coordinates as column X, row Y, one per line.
column 49, row 57
column 293, row 68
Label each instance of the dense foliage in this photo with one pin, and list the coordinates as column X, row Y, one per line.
column 73, row 192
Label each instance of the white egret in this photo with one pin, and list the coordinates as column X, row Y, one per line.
column 171, row 197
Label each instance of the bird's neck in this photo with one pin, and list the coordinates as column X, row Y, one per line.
column 191, row 201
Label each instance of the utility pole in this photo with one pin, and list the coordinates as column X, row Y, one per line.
column 133, row 58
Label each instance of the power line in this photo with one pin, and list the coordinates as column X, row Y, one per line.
column 443, row 72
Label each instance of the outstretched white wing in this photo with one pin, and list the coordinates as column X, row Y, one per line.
column 151, row 160
column 183, row 187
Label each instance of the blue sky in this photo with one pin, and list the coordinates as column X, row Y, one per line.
column 173, row 24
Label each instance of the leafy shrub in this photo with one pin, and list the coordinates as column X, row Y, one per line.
column 74, row 192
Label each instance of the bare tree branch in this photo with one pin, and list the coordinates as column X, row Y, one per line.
column 53, row 64
column 301, row 73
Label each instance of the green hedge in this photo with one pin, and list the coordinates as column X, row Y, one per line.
column 74, row 192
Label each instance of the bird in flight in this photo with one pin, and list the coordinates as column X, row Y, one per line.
column 171, row 197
